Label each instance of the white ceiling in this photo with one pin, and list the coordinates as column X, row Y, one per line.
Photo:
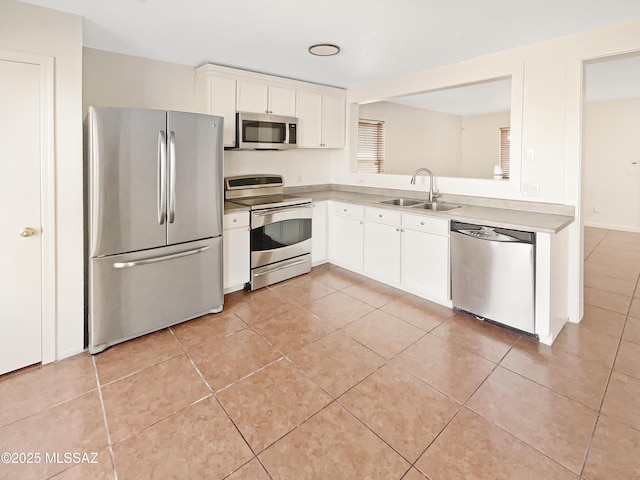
column 379, row 38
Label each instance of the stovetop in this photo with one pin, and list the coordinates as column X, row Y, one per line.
column 270, row 201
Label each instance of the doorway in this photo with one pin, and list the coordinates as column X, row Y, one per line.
column 611, row 149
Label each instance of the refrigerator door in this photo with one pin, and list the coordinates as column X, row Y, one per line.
column 126, row 187
column 137, row 293
column 194, row 163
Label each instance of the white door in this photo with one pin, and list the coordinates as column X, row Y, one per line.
column 20, row 252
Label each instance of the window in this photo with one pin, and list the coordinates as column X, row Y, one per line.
column 505, row 148
column 370, row 146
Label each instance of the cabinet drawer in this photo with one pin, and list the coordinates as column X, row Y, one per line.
column 381, row 215
column 347, row 209
column 236, row 220
column 424, row 223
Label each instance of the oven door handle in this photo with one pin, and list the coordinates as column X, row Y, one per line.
column 274, row 215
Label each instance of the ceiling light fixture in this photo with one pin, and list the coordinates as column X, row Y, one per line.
column 324, row 50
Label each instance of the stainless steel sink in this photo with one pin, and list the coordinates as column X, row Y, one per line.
column 438, row 207
column 403, row 202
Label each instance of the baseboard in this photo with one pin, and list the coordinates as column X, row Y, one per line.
column 606, row 226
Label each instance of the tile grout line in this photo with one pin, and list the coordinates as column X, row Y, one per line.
column 599, row 411
column 104, row 418
column 596, row 245
column 213, row 395
column 593, row 432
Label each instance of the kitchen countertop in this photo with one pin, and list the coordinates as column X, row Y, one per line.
column 230, row 207
column 490, row 216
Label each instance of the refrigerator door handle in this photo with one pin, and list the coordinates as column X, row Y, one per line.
column 172, row 176
column 162, row 177
column 164, row 258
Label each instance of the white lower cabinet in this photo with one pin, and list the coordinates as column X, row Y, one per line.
column 319, row 232
column 235, row 251
column 382, row 245
column 346, row 235
column 408, row 251
column 425, row 256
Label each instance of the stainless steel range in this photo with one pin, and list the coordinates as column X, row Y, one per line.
column 280, row 228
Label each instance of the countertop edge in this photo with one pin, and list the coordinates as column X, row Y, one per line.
column 527, row 221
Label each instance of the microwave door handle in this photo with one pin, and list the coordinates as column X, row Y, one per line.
column 286, row 133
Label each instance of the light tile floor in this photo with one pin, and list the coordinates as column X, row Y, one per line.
column 333, row 376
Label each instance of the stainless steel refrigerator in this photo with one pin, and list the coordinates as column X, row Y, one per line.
column 155, row 207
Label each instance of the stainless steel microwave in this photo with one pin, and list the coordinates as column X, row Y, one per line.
column 260, row 131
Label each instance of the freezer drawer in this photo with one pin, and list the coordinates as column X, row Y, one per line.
column 494, row 279
column 137, row 293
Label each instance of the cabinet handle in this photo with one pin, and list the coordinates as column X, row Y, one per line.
column 344, row 209
column 235, row 220
column 380, row 215
column 421, row 223
column 398, row 229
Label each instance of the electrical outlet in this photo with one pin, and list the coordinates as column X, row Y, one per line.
column 531, row 189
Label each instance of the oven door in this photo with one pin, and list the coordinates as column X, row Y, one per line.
column 279, row 234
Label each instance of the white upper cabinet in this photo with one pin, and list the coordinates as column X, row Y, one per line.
column 309, row 119
column 333, row 121
column 321, row 110
column 216, row 95
column 261, row 97
column 321, row 120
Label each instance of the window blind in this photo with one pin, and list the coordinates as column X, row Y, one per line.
column 370, row 146
column 505, row 148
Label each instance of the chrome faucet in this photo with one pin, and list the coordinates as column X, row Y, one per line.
column 413, row 181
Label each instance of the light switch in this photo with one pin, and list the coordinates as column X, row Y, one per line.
column 529, row 155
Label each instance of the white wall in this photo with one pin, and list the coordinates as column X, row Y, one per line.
column 112, row 79
column 481, row 143
column 115, row 80
column 611, row 188
column 27, row 28
column 415, row 137
column 450, row 145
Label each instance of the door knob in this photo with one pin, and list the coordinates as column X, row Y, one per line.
column 27, row 232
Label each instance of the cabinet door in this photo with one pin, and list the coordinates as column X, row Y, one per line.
column 382, row 251
column 252, row 97
column 319, row 233
column 282, row 101
column 425, row 263
column 221, row 100
column 309, row 119
column 236, row 258
column 346, row 242
column 333, row 121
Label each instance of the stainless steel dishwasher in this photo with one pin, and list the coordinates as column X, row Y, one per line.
column 493, row 274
